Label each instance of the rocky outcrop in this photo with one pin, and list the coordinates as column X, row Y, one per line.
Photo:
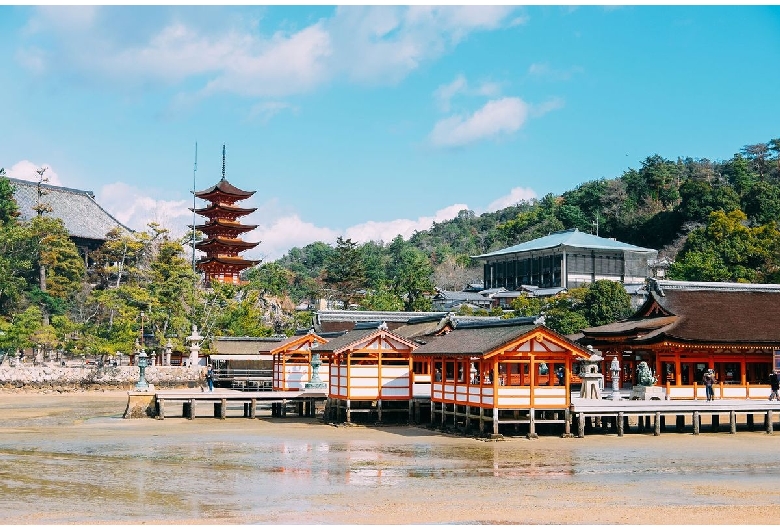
column 68, row 379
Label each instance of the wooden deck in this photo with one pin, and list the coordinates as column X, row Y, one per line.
column 222, row 399
column 618, row 412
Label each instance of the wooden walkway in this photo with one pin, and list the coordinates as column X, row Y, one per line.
column 221, row 399
column 617, row 413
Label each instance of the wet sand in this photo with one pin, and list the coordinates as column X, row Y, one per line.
column 72, row 459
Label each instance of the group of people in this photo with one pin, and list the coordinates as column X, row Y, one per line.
column 774, row 385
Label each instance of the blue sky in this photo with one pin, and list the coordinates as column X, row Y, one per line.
column 368, row 122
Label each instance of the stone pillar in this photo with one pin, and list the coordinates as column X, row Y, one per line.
column 195, row 340
column 167, row 355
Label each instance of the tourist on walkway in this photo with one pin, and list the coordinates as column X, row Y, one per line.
column 774, row 384
column 709, row 380
column 210, row 378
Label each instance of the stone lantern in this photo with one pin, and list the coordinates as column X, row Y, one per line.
column 141, row 385
column 614, row 371
column 195, row 339
column 316, row 382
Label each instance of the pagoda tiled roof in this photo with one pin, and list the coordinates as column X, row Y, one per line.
column 217, row 207
column 82, row 215
column 227, row 260
column 225, row 241
column 226, row 188
column 221, row 223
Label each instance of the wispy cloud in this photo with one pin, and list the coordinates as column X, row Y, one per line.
column 516, row 196
column 264, row 111
column 496, row 118
column 377, row 44
column 460, row 86
column 547, row 72
column 26, row 170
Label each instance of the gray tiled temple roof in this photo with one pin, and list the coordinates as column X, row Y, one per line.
column 82, row 215
column 567, row 238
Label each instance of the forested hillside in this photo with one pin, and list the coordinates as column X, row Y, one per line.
column 717, row 220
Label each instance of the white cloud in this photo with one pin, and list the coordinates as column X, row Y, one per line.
column 516, row 196
column 387, row 230
column 285, row 233
column 26, row 170
column 264, row 111
column 135, row 209
column 445, row 93
column 548, row 106
column 495, row 118
column 227, row 54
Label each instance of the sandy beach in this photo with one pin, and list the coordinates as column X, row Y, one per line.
column 72, row 459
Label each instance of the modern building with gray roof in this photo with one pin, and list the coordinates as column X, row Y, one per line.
column 565, row 259
column 85, row 220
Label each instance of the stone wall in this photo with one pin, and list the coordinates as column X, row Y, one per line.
column 65, row 379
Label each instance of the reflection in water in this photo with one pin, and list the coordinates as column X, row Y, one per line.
column 75, row 464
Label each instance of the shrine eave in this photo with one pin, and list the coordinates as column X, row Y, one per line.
column 229, row 261
column 223, row 187
column 225, row 242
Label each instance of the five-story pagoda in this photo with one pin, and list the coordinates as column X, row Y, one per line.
column 223, row 244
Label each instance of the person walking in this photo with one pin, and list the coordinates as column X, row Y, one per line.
column 210, row 378
column 774, row 384
column 709, row 380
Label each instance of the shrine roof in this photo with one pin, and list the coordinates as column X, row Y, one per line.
column 710, row 315
column 567, row 238
column 216, row 207
column 223, row 186
column 221, row 223
column 226, row 241
column 227, row 261
column 82, row 215
column 354, row 338
column 473, row 340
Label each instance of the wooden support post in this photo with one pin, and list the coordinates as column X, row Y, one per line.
column 581, row 425
column 160, row 409
column 532, row 424
column 657, row 424
column 733, row 422
column 416, row 412
column 647, row 423
column 620, row 423
column 379, row 410
column 222, row 408
column 696, row 422
column 715, row 423
column 640, row 421
column 253, row 408
column 769, row 421
column 467, row 422
column 349, row 411
column 481, row 420
column 495, row 419
column 567, row 423
column 299, row 406
column 283, row 409
column 443, row 413
column 680, row 423
column 191, row 411
column 750, row 422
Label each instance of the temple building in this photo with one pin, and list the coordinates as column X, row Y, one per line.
column 85, row 220
column 563, row 260
column 222, row 245
column 686, row 328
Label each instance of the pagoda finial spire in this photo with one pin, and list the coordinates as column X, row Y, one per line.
column 223, row 161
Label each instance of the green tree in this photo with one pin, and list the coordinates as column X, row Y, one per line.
column 527, row 306
column 382, row 298
column 9, row 210
column 345, row 272
column 606, row 302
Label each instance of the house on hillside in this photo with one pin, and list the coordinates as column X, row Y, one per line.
column 85, row 220
column 551, row 264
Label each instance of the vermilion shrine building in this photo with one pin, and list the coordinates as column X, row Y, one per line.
column 685, row 328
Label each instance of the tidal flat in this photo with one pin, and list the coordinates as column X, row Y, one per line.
column 72, row 459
